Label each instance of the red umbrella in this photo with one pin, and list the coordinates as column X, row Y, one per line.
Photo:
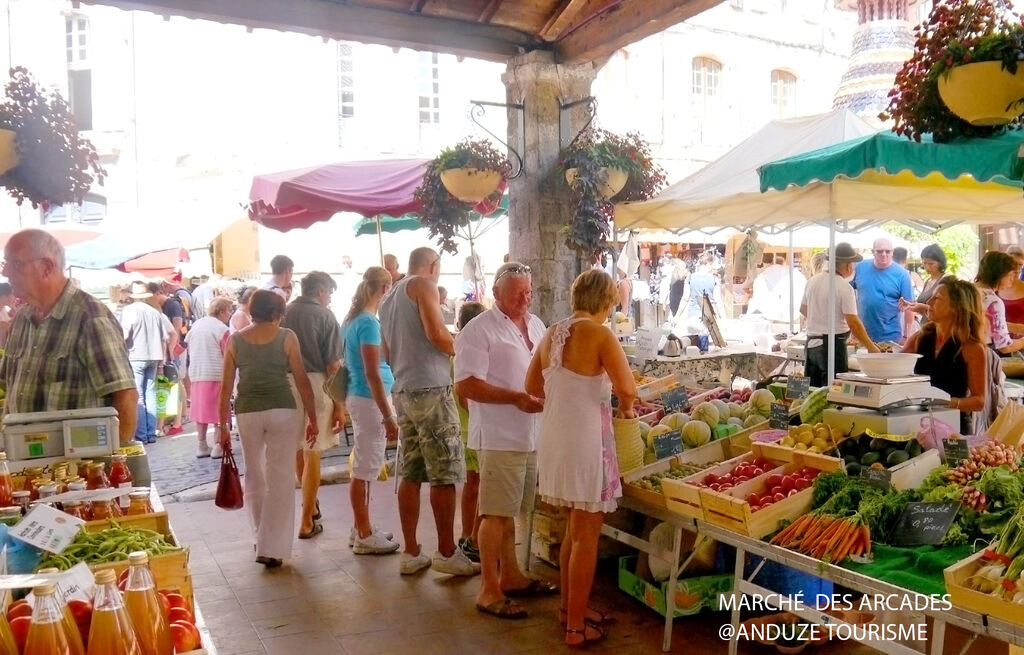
column 299, row 198
column 161, row 263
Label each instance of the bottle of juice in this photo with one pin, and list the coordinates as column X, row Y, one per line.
column 145, row 609
column 70, row 626
column 47, row 635
column 111, row 632
column 121, row 476
column 6, row 483
column 7, row 644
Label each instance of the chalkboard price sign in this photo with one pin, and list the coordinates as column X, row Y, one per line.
column 923, row 524
column 675, row 400
column 668, row 444
column 878, row 478
column 797, row 386
column 778, row 416
column 956, row 451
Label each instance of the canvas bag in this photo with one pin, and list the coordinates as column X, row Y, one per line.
column 229, row 486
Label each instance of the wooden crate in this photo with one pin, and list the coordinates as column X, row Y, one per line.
column 911, row 473
column 961, row 596
column 156, row 521
column 629, row 488
column 551, row 528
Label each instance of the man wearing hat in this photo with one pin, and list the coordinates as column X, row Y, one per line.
column 814, row 307
column 146, row 335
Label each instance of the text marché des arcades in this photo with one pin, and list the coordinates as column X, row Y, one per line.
column 866, row 603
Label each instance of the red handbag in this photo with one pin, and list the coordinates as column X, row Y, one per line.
column 229, row 486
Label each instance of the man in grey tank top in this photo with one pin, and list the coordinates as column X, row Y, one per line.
column 418, row 347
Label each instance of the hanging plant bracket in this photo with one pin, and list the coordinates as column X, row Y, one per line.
column 590, row 103
column 477, row 109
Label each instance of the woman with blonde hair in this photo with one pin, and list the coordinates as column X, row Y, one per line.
column 576, row 367
column 368, row 402
column 952, row 347
column 1013, row 295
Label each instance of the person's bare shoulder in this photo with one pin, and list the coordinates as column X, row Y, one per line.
column 419, row 286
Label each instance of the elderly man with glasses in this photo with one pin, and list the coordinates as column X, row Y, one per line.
column 65, row 350
column 880, row 284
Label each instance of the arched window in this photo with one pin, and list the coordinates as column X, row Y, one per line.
column 707, row 78
column 783, row 93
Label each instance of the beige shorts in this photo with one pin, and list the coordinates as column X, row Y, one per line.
column 324, row 414
column 369, row 438
column 508, row 482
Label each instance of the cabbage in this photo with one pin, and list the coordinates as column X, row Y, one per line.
column 675, row 421
column 706, row 412
column 696, row 433
column 761, row 401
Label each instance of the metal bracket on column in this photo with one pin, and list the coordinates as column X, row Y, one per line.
column 590, row 102
column 477, row 110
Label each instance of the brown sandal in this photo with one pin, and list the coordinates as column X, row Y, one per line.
column 593, row 617
column 586, row 641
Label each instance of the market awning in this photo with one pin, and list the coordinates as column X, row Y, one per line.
column 67, row 234
column 162, row 263
column 120, row 250
column 393, row 224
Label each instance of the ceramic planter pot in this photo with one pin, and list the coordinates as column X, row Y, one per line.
column 983, row 93
column 470, row 184
column 616, row 179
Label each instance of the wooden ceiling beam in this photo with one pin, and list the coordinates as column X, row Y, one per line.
column 626, row 23
column 571, row 13
column 488, row 13
column 350, row 23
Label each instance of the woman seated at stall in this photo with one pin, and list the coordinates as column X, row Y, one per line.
column 952, row 348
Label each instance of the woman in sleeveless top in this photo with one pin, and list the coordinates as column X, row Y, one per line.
column 933, row 260
column 575, row 368
column 269, row 424
column 1013, row 296
column 952, row 347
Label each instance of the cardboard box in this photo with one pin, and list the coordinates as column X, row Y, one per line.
column 691, row 594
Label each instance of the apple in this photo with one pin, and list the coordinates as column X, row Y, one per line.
column 180, row 614
column 174, row 599
column 185, row 637
column 19, row 628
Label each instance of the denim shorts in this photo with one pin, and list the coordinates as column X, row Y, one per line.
column 431, row 437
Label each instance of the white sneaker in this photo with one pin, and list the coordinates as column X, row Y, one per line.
column 375, row 544
column 217, row 451
column 203, row 450
column 457, row 564
column 413, row 564
column 353, row 534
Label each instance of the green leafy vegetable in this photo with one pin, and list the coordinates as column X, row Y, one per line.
column 828, row 485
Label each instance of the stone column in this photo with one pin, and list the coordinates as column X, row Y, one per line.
column 538, row 202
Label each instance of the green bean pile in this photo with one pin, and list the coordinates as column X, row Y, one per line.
column 110, row 545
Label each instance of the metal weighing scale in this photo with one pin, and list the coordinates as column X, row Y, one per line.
column 886, row 405
column 45, row 437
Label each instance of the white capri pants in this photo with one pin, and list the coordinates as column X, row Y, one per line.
column 268, row 450
column 368, row 435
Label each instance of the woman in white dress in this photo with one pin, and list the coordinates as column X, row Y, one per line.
column 578, row 364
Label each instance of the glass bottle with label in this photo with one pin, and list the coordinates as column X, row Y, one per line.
column 138, row 503
column 96, row 477
column 47, row 635
column 46, row 490
column 70, row 627
column 104, row 509
column 120, row 477
column 22, row 499
column 6, row 483
column 145, row 607
column 111, row 631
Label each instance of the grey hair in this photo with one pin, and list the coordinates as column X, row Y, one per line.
column 44, row 245
column 503, row 272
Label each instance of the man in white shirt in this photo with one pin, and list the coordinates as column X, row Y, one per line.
column 815, row 307
column 146, row 335
column 492, row 354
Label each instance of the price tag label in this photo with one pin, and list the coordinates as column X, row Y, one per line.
column 878, row 478
column 647, row 343
column 923, row 524
column 797, row 386
column 668, row 444
column 47, row 528
column 675, row 400
column 956, row 451
column 778, row 416
column 77, row 582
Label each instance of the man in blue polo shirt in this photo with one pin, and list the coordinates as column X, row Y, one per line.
column 880, row 284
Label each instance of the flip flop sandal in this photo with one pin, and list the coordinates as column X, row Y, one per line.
column 533, row 589
column 316, row 515
column 593, row 616
column 505, row 608
column 587, row 641
column 317, row 529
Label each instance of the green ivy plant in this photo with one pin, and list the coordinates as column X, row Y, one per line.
column 957, row 32
column 56, row 165
column 441, row 212
column 590, row 153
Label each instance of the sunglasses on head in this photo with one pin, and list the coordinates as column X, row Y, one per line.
column 518, row 269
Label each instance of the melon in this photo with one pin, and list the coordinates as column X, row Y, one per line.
column 736, row 410
column 675, row 421
column 644, row 429
column 706, row 412
column 655, row 431
column 761, row 401
column 696, row 433
column 752, row 420
column 723, row 409
column 735, row 420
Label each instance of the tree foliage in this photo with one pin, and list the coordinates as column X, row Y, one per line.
column 958, row 242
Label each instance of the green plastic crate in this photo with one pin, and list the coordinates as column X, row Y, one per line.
column 692, row 594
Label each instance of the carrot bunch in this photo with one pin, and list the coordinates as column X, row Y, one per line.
column 826, row 537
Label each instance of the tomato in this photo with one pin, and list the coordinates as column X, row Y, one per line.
column 724, row 487
column 753, row 499
column 773, row 480
column 726, row 479
column 714, row 486
column 763, row 463
column 81, row 610
column 779, row 496
column 174, row 599
column 710, row 479
column 180, row 614
column 787, row 483
column 777, row 489
column 802, row 483
column 19, row 608
column 809, row 472
column 185, row 637
column 19, row 628
column 742, row 479
column 791, row 492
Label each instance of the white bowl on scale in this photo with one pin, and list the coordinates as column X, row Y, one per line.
column 887, row 365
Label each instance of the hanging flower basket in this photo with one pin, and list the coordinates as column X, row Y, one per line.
column 470, row 184
column 983, row 93
column 615, row 180
column 8, row 151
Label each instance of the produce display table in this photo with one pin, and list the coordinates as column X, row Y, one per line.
column 973, row 622
column 736, row 361
column 679, row 523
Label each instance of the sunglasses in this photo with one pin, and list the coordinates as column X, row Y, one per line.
column 518, row 269
column 883, row 252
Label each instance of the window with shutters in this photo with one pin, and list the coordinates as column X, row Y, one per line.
column 783, row 93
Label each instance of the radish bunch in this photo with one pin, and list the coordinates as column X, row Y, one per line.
column 990, row 453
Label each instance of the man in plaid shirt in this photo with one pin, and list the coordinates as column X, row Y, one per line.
column 65, row 350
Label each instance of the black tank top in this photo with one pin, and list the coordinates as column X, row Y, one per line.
column 948, row 369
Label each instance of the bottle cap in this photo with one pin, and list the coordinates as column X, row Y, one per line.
column 46, row 589
column 138, row 557
column 50, row 570
column 20, row 493
column 105, row 576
